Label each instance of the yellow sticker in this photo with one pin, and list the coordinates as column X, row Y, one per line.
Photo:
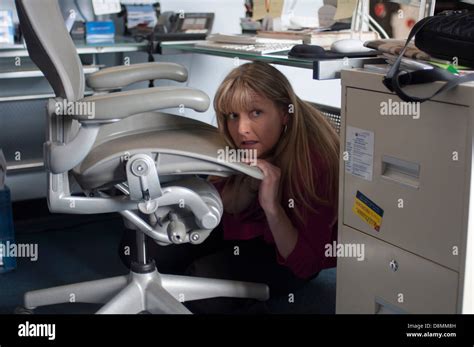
column 368, row 211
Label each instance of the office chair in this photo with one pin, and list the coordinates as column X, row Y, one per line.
column 128, row 158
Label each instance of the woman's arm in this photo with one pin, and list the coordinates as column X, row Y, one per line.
column 237, row 194
column 301, row 250
column 284, row 233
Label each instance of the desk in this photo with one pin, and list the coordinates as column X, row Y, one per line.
column 322, row 69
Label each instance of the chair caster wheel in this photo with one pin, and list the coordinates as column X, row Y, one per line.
column 23, row 310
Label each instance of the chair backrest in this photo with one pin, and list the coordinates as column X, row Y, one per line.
column 50, row 46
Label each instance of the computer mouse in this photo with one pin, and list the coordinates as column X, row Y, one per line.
column 349, row 46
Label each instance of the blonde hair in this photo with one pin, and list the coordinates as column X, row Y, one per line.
column 307, row 132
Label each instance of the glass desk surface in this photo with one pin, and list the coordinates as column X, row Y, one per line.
column 323, row 69
column 276, row 58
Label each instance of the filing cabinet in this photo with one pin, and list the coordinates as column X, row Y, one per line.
column 405, row 195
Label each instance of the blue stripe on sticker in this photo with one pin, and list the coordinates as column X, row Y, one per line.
column 372, row 205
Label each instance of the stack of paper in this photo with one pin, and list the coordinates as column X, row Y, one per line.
column 301, row 35
column 319, row 38
column 250, row 40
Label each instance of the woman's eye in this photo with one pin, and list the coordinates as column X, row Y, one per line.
column 231, row 116
column 256, row 113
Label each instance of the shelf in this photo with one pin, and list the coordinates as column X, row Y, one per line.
column 121, row 44
column 29, row 70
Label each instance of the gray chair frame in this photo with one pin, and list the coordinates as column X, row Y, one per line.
column 153, row 176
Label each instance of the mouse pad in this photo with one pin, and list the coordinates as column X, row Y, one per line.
column 319, row 53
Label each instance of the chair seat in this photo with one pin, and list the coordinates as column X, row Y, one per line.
column 181, row 146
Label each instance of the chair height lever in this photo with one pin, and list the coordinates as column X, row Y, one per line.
column 143, row 182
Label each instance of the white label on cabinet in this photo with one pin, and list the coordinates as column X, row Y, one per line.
column 360, row 146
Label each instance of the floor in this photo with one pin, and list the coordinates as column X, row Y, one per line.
column 81, row 248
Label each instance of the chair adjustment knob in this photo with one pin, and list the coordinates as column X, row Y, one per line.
column 209, row 221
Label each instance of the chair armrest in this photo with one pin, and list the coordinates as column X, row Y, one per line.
column 115, row 106
column 118, row 77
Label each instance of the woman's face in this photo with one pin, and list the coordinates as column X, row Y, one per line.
column 257, row 128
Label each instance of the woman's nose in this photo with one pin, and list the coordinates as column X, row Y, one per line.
column 244, row 126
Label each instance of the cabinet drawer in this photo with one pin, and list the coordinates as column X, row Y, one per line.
column 391, row 280
column 415, row 180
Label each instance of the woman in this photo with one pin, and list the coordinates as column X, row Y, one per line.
column 298, row 153
column 273, row 231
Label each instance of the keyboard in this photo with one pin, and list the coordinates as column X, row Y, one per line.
column 257, row 48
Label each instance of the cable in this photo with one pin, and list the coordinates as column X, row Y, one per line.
column 371, row 22
column 379, row 27
column 80, row 11
column 375, row 27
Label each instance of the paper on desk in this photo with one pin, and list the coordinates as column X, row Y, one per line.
column 345, row 8
column 262, row 8
column 106, row 6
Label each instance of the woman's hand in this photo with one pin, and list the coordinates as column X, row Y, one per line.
column 268, row 189
column 238, row 193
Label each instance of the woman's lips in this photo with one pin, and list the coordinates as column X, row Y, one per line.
column 248, row 143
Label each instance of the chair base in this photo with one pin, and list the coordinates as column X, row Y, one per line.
column 152, row 292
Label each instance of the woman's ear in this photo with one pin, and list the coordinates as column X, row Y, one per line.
column 286, row 118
